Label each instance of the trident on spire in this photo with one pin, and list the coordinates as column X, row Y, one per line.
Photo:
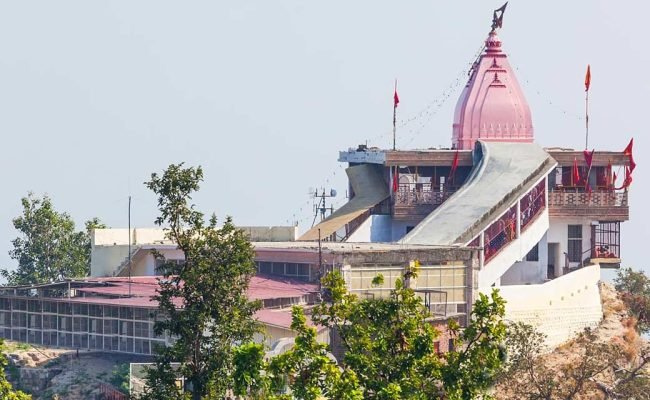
column 497, row 17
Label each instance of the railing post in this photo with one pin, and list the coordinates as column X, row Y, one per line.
column 481, row 253
column 518, row 218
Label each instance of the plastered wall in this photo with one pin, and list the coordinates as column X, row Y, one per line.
column 560, row 308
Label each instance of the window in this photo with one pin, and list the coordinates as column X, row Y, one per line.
column 533, row 254
column 574, row 245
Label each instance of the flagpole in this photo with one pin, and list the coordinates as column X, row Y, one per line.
column 587, row 84
column 586, row 119
column 394, row 116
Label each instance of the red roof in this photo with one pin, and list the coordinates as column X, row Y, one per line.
column 262, row 287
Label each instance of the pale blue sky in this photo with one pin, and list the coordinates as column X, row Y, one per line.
column 95, row 95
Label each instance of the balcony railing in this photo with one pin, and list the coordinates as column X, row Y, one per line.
column 412, row 194
column 597, row 198
column 500, row 233
column 532, row 204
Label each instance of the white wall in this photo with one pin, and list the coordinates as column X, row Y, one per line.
column 560, row 308
column 380, row 228
column 522, row 273
column 529, row 272
column 105, row 260
column 376, row 228
column 558, row 233
column 141, row 236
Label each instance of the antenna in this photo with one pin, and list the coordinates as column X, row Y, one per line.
column 321, row 207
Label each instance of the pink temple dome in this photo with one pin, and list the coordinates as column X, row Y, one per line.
column 492, row 106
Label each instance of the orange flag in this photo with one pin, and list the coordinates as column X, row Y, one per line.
column 588, row 78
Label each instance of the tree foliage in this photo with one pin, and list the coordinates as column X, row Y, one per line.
column 634, row 288
column 307, row 370
column 203, row 300
column 389, row 351
column 7, row 392
column 49, row 247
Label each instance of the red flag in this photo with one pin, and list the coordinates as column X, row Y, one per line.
column 628, row 149
column 628, row 177
column 576, row 172
column 396, row 180
column 589, row 157
column 609, row 182
column 628, row 153
column 395, row 97
column 588, row 78
column 454, row 166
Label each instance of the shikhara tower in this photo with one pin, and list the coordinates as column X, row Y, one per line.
column 492, row 106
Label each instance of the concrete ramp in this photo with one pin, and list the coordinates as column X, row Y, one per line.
column 369, row 188
column 502, row 173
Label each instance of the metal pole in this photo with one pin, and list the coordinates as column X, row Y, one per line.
column 394, row 117
column 586, row 119
column 129, row 246
column 320, row 263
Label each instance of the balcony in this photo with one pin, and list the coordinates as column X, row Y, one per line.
column 605, row 205
column 419, row 199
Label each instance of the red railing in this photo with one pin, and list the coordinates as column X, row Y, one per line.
column 420, row 194
column 532, row 204
column 500, row 233
column 109, row 392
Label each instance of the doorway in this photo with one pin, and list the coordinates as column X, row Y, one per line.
column 553, row 261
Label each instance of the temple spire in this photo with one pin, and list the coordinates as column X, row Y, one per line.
column 492, row 106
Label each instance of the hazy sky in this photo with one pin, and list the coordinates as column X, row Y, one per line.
column 96, row 95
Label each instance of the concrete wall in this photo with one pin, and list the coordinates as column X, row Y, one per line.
column 272, row 334
column 558, row 233
column 522, row 273
column 560, row 308
column 380, row 228
column 112, row 237
column 140, row 236
column 106, row 260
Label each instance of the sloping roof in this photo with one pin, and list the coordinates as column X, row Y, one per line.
column 369, row 188
column 503, row 169
column 282, row 318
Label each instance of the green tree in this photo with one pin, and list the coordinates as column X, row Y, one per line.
column 307, row 370
column 6, row 390
column 634, row 289
column 203, row 300
column 389, row 343
column 49, row 248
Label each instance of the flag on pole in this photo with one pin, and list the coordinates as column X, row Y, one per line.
column 589, row 156
column 628, row 153
column 395, row 103
column 588, row 78
column 395, row 97
column 396, row 179
column 454, row 166
column 576, row 172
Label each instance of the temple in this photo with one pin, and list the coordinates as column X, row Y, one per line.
column 542, row 222
column 494, row 209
